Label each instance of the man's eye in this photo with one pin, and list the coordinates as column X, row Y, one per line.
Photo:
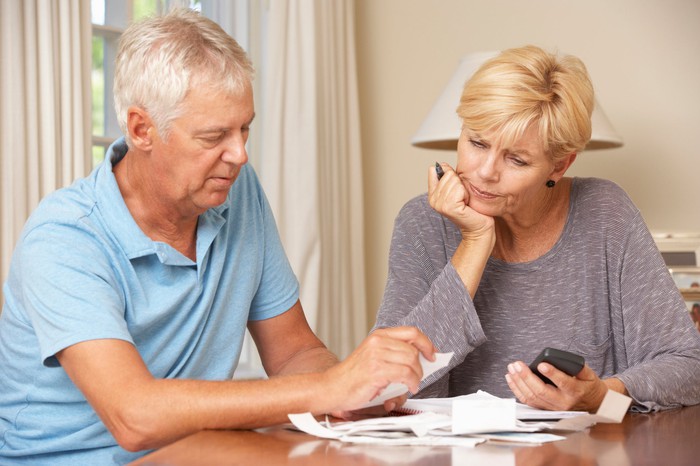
column 214, row 139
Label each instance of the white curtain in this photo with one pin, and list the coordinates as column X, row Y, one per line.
column 44, row 106
column 310, row 160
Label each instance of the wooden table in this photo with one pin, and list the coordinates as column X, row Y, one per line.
column 664, row 438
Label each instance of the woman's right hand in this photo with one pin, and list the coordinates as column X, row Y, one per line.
column 450, row 198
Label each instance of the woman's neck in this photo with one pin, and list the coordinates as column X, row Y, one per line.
column 529, row 238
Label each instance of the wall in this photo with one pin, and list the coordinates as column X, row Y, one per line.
column 643, row 57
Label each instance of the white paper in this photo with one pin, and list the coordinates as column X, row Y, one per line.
column 477, row 415
column 522, row 411
column 536, row 438
column 397, row 389
column 307, row 423
column 611, row 410
column 416, row 425
column 428, row 440
column 471, row 416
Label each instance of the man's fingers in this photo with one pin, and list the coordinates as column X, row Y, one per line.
column 413, row 336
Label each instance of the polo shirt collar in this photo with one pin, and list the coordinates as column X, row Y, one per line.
column 126, row 231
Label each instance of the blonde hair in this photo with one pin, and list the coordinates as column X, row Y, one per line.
column 162, row 57
column 527, row 86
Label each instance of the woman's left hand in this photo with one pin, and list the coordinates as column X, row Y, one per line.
column 584, row 392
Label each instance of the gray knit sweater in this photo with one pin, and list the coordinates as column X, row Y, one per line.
column 602, row 291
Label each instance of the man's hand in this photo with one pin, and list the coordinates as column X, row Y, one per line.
column 386, row 356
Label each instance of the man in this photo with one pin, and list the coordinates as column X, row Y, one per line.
column 130, row 291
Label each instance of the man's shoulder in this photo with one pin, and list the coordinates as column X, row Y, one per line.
column 67, row 206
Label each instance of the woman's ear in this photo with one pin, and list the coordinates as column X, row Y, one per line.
column 139, row 125
column 562, row 166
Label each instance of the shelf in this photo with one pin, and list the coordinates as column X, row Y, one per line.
column 691, row 294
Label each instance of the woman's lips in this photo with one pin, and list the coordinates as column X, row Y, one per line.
column 481, row 194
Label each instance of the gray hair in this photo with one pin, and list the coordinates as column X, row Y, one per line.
column 162, row 57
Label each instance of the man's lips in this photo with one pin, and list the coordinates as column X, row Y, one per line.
column 227, row 180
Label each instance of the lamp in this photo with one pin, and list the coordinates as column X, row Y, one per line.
column 441, row 128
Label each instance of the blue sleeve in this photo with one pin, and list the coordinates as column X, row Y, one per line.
column 69, row 293
column 279, row 287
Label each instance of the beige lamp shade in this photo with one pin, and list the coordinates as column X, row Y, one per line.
column 441, row 128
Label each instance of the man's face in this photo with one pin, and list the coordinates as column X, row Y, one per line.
column 197, row 164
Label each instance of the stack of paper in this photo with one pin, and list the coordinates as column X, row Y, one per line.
column 472, row 419
column 465, row 420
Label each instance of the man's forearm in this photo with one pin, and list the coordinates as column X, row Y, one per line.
column 311, row 360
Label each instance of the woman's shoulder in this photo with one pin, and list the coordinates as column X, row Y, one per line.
column 417, row 208
column 602, row 192
column 599, row 201
column 415, row 205
column 417, row 214
column 598, row 187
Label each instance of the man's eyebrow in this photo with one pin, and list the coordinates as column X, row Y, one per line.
column 221, row 129
column 213, row 129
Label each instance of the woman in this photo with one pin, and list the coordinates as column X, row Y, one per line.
column 505, row 255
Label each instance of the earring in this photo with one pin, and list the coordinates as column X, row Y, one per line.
column 551, row 183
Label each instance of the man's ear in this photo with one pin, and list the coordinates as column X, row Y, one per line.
column 140, row 127
column 562, row 166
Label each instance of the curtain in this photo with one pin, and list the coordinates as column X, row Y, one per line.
column 310, row 162
column 44, row 106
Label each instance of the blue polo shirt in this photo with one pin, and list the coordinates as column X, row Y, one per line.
column 84, row 270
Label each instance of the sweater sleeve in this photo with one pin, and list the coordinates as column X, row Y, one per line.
column 661, row 344
column 424, row 290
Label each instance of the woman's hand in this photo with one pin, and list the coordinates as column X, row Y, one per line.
column 449, row 197
column 584, row 392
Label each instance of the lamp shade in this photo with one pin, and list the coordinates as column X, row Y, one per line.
column 441, row 128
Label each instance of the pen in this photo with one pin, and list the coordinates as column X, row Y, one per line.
column 438, row 170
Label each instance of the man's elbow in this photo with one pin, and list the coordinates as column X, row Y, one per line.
column 135, row 431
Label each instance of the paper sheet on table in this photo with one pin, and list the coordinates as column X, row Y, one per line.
column 611, row 410
column 417, row 424
column 444, row 406
column 418, row 429
column 522, row 412
column 397, row 389
column 478, row 414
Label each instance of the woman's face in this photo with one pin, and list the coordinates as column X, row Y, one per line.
column 503, row 181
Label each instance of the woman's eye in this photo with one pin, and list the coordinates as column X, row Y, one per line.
column 518, row 161
column 478, row 144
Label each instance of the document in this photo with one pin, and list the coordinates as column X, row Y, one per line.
column 465, row 420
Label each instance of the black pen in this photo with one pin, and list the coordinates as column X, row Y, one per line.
column 438, row 170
